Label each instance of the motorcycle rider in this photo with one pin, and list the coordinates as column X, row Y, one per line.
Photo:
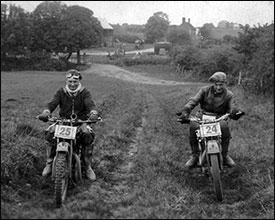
column 217, row 100
column 73, row 98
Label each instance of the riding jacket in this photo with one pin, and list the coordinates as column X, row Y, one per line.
column 210, row 101
column 80, row 104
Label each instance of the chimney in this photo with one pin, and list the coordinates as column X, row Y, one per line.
column 189, row 20
column 183, row 20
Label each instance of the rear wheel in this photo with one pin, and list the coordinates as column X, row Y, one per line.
column 61, row 178
column 215, row 171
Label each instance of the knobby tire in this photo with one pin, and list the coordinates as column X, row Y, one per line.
column 61, row 178
column 216, row 176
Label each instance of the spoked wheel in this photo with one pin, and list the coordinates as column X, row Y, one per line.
column 215, row 171
column 61, row 179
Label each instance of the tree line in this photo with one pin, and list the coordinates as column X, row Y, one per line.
column 54, row 27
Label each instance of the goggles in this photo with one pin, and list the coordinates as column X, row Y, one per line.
column 74, row 74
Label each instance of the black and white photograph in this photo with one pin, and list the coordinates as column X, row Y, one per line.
column 137, row 109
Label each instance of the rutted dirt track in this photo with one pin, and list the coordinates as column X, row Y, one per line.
column 119, row 73
column 150, row 138
column 139, row 154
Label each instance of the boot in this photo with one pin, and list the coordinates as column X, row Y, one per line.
column 50, row 155
column 192, row 162
column 90, row 173
column 228, row 161
column 48, row 168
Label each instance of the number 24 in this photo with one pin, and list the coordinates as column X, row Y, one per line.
column 211, row 129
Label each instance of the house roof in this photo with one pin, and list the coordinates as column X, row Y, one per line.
column 104, row 23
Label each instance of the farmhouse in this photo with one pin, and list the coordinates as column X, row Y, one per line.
column 187, row 27
column 108, row 32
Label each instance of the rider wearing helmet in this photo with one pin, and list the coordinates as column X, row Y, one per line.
column 215, row 99
column 73, row 98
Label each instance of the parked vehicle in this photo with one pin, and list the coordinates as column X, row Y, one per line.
column 167, row 46
column 69, row 161
column 210, row 158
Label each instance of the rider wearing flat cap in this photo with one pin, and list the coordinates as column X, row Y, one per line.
column 217, row 100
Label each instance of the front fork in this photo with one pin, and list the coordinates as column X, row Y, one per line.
column 208, row 147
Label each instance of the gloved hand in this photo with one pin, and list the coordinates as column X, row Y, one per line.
column 235, row 114
column 44, row 116
column 93, row 115
column 184, row 118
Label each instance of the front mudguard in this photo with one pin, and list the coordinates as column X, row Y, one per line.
column 61, row 148
column 213, row 147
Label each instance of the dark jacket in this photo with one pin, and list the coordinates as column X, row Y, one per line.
column 210, row 101
column 81, row 104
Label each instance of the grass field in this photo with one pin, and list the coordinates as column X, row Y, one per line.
column 140, row 151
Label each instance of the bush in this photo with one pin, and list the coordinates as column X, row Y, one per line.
column 144, row 59
column 207, row 61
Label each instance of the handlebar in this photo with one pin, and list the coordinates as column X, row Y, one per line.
column 199, row 120
column 235, row 116
column 72, row 120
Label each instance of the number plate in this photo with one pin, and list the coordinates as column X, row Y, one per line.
column 64, row 131
column 212, row 129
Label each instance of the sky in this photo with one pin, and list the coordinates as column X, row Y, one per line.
column 199, row 12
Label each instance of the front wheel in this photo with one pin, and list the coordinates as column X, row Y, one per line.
column 215, row 171
column 61, row 178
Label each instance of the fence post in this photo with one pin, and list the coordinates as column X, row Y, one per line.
column 240, row 78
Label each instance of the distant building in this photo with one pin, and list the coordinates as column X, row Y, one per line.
column 187, row 27
column 108, row 32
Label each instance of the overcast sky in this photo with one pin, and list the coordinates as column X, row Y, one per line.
column 199, row 12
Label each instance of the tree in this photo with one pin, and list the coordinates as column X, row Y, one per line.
column 205, row 31
column 257, row 46
column 46, row 26
column 156, row 27
column 179, row 36
column 78, row 30
column 58, row 28
column 15, row 30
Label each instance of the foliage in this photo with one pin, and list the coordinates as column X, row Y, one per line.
column 79, row 29
column 207, row 61
column 143, row 60
column 189, row 57
column 179, row 36
column 205, row 31
column 257, row 45
column 46, row 18
column 156, row 27
column 15, row 30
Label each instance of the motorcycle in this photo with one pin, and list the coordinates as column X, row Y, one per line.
column 69, row 161
column 209, row 140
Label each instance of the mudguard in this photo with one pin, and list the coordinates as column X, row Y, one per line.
column 63, row 146
column 212, row 147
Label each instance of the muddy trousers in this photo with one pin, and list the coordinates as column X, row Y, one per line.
column 85, row 139
column 226, row 136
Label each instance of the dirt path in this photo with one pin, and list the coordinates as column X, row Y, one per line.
column 119, row 73
column 104, row 53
